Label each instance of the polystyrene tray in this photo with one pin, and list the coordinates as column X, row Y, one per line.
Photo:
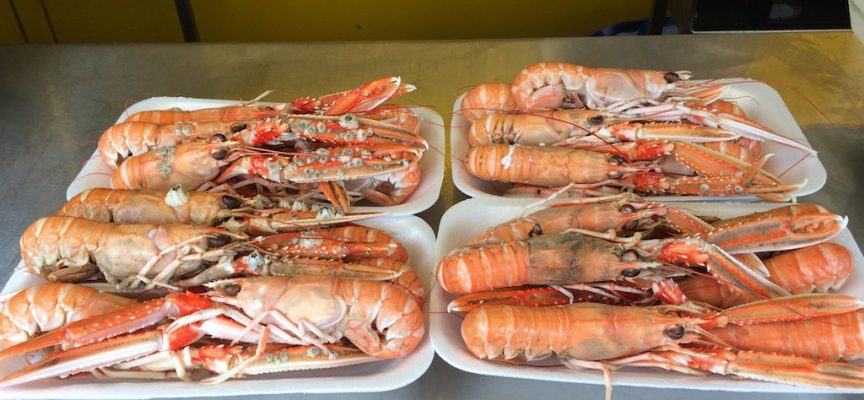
column 96, row 173
column 377, row 376
column 465, row 220
column 759, row 101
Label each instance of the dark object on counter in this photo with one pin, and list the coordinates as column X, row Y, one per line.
column 768, row 15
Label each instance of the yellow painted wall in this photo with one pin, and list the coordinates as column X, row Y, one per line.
column 10, row 31
column 281, row 20
column 34, row 23
column 95, row 21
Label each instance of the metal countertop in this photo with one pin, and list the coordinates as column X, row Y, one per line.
column 56, row 100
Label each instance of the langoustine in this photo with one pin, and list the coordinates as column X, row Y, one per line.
column 503, row 256
column 601, row 172
column 380, row 319
column 256, row 215
column 367, row 97
column 575, row 258
column 128, row 139
column 819, row 268
column 69, row 249
column 203, row 166
column 43, row 308
column 312, row 147
column 598, row 336
column 693, row 142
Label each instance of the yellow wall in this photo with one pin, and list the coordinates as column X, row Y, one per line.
column 10, row 31
column 276, row 20
column 93, row 21
column 34, row 24
column 90, row 21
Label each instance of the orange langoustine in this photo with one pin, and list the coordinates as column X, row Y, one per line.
column 599, row 336
column 381, row 319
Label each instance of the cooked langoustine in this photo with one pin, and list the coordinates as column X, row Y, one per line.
column 407, row 278
column 628, row 94
column 600, row 169
column 67, row 249
column 312, row 146
column 590, row 129
column 133, row 138
column 600, row 336
column 70, row 249
column 789, row 227
column 129, row 139
column 401, row 116
column 202, row 166
column 577, row 258
column 620, row 213
column 127, row 255
column 38, row 309
column 366, row 97
column 494, row 119
column 257, row 215
column 782, row 228
column 819, row 268
column 549, row 86
column 488, row 99
column 381, row 319
column 584, row 127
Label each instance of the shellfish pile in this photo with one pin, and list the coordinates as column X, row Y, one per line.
column 619, row 281
column 580, row 131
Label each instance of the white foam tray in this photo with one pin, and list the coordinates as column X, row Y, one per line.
column 97, row 174
column 377, row 376
column 467, row 219
column 759, row 101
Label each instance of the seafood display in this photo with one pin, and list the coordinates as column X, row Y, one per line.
column 230, row 245
column 620, row 281
column 580, row 131
column 319, row 294
column 380, row 320
column 198, row 297
column 342, row 148
column 227, row 247
column 207, row 286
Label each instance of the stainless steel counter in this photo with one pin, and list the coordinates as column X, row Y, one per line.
column 56, row 100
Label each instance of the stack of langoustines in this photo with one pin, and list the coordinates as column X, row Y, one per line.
column 619, row 281
column 214, row 255
column 342, row 147
column 611, row 279
column 593, row 131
